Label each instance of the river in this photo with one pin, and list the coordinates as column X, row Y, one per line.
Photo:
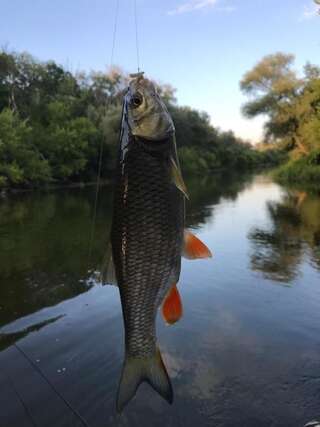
column 246, row 352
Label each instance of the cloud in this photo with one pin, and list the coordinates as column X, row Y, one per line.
column 310, row 12
column 227, row 9
column 192, row 5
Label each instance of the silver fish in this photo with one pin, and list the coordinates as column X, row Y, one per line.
column 147, row 236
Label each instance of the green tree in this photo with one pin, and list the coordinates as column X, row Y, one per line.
column 273, row 87
column 53, row 124
column 20, row 161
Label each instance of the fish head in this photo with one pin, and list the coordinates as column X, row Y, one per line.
column 147, row 114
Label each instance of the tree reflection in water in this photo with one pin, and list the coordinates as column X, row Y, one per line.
column 294, row 233
column 45, row 238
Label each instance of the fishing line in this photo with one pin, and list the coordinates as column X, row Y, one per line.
column 137, row 38
column 25, row 407
column 94, row 217
column 75, row 412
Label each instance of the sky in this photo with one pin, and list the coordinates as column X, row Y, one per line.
column 201, row 47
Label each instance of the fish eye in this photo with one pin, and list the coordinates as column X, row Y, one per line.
column 136, row 100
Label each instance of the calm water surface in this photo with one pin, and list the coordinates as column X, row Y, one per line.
column 246, row 353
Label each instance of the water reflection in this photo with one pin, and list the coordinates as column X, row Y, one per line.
column 206, row 192
column 294, row 233
column 8, row 339
column 44, row 248
column 44, row 241
column 244, row 353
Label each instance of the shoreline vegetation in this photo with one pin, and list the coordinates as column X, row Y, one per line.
column 291, row 105
column 52, row 123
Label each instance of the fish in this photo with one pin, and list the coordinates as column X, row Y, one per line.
column 148, row 235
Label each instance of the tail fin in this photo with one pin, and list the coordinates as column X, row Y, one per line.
column 137, row 370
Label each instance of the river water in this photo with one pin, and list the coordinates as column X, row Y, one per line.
column 246, row 353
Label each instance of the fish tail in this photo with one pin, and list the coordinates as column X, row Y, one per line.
column 137, row 370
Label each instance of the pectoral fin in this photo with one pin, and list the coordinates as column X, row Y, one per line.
column 172, row 306
column 193, row 248
column 177, row 177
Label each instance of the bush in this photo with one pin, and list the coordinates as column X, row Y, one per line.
column 305, row 169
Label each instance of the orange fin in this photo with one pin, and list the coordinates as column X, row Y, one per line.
column 193, row 248
column 172, row 306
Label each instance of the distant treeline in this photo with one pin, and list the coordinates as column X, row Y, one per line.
column 292, row 107
column 52, row 123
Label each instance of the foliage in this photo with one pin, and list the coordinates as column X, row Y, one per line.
column 305, row 169
column 53, row 122
column 20, row 161
column 292, row 108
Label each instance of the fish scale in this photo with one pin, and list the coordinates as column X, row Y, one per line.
column 147, row 233
column 146, row 219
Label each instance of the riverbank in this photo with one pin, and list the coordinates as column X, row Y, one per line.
column 9, row 190
column 302, row 171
